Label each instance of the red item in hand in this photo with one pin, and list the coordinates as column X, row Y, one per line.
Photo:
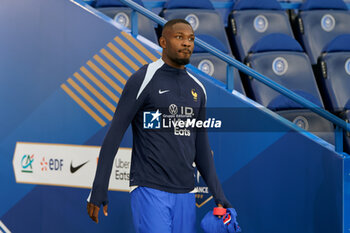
column 219, row 211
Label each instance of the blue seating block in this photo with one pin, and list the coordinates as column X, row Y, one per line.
column 122, row 14
column 319, row 22
column 251, row 20
column 334, row 69
column 286, row 64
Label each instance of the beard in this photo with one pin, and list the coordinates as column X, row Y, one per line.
column 180, row 61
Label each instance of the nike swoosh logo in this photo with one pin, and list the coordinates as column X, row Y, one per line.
column 74, row 169
column 162, row 92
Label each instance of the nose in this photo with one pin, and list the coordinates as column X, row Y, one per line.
column 186, row 43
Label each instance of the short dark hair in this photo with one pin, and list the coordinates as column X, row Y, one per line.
column 172, row 22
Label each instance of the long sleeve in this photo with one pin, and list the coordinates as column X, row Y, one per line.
column 205, row 163
column 125, row 112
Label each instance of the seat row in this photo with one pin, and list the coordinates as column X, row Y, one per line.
column 261, row 35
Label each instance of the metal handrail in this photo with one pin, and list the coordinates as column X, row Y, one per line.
column 261, row 78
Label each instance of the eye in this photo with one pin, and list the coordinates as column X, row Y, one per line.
column 178, row 37
column 191, row 39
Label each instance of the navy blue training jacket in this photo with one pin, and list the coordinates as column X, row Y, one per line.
column 164, row 151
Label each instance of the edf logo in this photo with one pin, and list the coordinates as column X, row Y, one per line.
column 151, row 120
column 56, row 164
column 53, row 164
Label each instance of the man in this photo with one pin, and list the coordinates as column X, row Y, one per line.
column 162, row 171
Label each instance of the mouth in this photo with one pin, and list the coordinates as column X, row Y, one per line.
column 185, row 51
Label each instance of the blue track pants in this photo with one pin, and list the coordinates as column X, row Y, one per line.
column 156, row 211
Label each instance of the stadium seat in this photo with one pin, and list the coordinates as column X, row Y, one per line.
column 281, row 58
column 201, row 14
column 310, row 121
column 251, row 20
column 121, row 14
column 334, row 74
column 212, row 65
column 320, row 21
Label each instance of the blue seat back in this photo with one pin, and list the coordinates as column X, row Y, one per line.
column 211, row 41
column 251, row 20
column 319, row 22
column 288, row 66
column 334, row 69
column 122, row 14
column 310, row 121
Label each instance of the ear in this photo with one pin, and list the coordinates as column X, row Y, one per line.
column 162, row 42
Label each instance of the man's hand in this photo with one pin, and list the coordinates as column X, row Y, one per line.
column 219, row 205
column 93, row 211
